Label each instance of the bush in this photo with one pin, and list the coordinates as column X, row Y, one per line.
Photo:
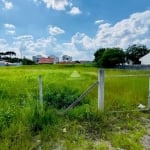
column 61, row 98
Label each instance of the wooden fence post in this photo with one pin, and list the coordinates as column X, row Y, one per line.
column 101, row 90
column 149, row 95
column 41, row 90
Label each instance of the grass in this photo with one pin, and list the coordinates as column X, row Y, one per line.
column 25, row 125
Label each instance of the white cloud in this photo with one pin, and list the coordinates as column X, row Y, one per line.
column 9, row 26
column 24, row 38
column 133, row 30
column 55, row 30
column 82, row 42
column 10, row 29
column 77, row 54
column 99, row 21
column 7, row 4
column 56, row 4
column 75, row 11
column 125, row 32
column 27, row 46
column 60, row 5
column 3, row 45
column 37, row 2
column 10, row 32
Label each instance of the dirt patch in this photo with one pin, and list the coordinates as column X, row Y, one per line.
column 146, row 142
column 146, row 138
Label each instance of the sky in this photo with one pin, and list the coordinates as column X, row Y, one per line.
column 72, row 27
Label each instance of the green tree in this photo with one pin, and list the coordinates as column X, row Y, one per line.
column 113, row 57
column 109, row 57
column 10, row 53
column 135, row 52
column 98, row 56
column 26, row 61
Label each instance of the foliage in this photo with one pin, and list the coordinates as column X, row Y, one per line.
column 128, row 140
column 6, row 118
column 98, row 56
column 135, row 52
column 26, row 61
column 62, row 97
column 8, row 53
column 109, row 57
column 7, row 56
column 12, row 60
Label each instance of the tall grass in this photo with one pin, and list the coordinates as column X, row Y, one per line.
column 25, row 125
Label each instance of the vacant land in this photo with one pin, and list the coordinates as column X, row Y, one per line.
column 26, row 125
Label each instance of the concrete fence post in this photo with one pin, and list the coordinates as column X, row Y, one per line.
column 101, row 90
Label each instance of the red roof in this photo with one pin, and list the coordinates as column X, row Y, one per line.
column 46, row 61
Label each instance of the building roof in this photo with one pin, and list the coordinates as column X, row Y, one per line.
column 46, row 61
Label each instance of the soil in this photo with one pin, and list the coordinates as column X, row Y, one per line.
column 146, row 138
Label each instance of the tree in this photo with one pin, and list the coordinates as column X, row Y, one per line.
column 98, row 56
column 26, row 61
column 135, row 52
column 113, row 57
column 1, row 54
column 109, row 57
column 10, row 53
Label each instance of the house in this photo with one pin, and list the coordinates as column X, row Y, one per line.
column 66, row 58
column 145, row 60
column 46, row 61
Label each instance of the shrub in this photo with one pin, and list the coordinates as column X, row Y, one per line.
column 6, row 117
column 61, row 98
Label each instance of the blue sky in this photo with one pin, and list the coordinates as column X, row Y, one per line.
column 73, row 27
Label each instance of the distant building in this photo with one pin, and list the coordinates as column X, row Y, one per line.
column 66, row 58
column 56, row 59
column 46, row 61
column 145, row 60
column 36, row 58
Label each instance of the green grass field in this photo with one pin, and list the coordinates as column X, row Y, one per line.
column 25, row 125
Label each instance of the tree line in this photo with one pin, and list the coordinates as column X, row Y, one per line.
column 111, row 57
column 8, row 56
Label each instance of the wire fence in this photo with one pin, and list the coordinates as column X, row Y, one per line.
column 108, row 86
column 101, row 90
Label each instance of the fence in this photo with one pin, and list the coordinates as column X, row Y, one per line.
column 101, row 84
column 137, row 67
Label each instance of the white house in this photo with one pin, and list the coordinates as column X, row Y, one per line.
column 145, row 60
